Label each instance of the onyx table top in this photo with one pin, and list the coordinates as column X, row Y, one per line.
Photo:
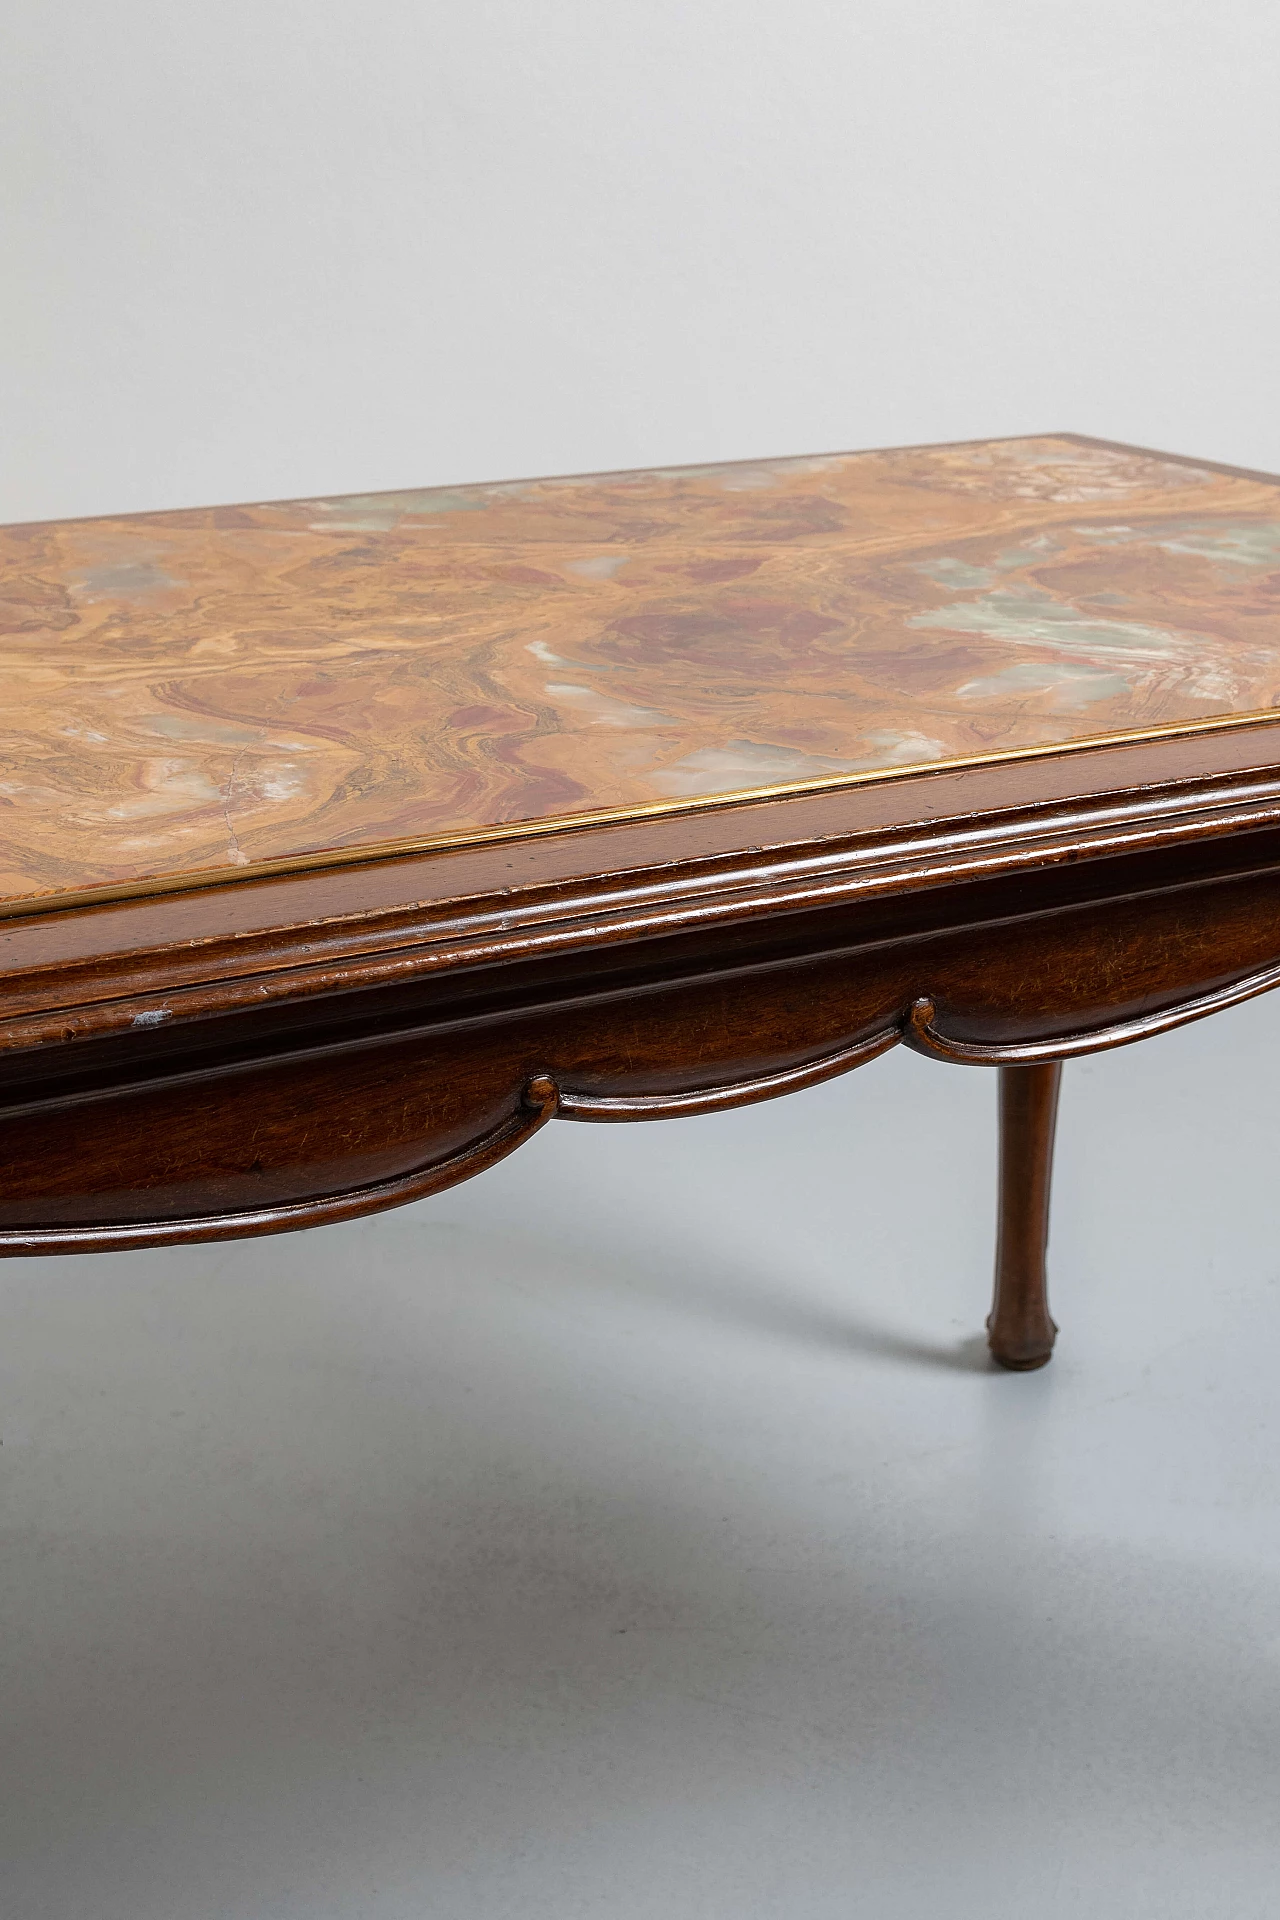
column 210, row 694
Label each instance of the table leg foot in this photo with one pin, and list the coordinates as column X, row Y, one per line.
column 1020, row 1331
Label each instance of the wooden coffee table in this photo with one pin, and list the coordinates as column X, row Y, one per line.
column 343, row 843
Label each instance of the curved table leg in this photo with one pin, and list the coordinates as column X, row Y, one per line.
column 1020, row 1332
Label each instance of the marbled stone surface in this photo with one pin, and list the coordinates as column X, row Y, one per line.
column 195, row 690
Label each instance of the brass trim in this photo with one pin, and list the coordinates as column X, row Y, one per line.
column 334, row 858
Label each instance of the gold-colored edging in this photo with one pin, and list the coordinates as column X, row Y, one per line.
column 454, row 838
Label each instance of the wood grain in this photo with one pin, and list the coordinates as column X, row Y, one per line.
column 1021, row 1331
column 204, row 691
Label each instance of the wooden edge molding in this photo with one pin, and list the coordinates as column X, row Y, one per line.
column 922, row 1034
column 87, row 999
column 536, row 1106
column 766, row 1086
column 920, row 1026
column 1214, row 781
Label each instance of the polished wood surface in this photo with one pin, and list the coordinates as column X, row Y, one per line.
column 1020, row 1331
column 251, row 1051
column 215, row 689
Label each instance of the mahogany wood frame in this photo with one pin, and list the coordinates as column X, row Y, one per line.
column 262, row 1054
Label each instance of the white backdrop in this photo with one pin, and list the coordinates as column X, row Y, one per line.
column 637, row 1531
column 252, row 248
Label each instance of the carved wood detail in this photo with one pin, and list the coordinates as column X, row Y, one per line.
column 164, row 1153
column 535, row 1108
column 738, row 1093
column 922, row 1031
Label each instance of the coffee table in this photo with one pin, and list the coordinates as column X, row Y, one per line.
column 345, row 842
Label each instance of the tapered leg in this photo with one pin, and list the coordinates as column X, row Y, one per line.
column 1020, row 1331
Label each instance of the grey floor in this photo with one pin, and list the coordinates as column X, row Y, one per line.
column 639, row 1531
